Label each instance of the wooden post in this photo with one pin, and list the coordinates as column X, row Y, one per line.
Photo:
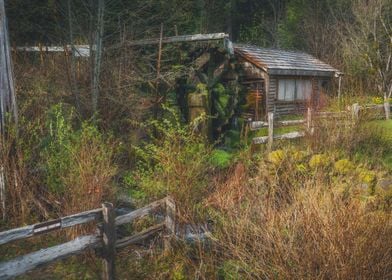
column 309, row 121
column 387, row 108
column 109, row 241
column 355, row 111
column 340, row 87
column 170, row 223
column 157, row 94
column 98, row 55
column 270, row 130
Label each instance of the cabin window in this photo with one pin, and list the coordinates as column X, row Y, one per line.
column 294, row 89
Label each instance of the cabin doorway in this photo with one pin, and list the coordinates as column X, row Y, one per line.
column 255, row 99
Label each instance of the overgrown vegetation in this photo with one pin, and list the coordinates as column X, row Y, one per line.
column 316, row 208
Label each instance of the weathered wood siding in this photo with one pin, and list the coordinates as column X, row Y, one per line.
column 271, row 94
column 280, row 108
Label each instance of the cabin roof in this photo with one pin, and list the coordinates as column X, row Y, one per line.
column 282, row 62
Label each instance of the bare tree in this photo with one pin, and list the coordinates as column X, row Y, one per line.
column 370, row 38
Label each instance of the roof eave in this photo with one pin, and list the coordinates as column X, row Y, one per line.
column 301, row 72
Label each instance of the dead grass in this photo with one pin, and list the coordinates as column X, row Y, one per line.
column 319, row 235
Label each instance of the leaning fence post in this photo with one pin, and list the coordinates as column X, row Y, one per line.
column 270, row 130
column 355, row 111
column 109, row 241
column 387, row 108
column 170, row 222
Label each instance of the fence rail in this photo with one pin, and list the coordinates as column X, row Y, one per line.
column 104, row 238
column 308, row 122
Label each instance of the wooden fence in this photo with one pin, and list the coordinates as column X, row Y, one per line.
column 307, row 123
column 104, row 238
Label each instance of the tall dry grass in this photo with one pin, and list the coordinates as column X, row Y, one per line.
column 317, row 236
column 291, row 220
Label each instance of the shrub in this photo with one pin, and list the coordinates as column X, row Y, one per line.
column 91, row 171
column 57, row 147
column 377, row 100
column 220, row 158
column 367, row 176
column 176, row 161
column 319, row 161
column 276, row 157
column 344, row 166
column 78, row 163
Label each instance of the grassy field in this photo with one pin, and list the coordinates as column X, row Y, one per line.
column 386, row 126
column 383, row 134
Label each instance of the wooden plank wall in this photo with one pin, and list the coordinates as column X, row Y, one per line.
column 271, row 95
column 280, row 108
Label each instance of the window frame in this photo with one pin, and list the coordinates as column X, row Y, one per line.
column 311, row 80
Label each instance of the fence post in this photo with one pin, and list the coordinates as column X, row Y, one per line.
column 387, row 108
column 170, row 222
column 355, row 111
column 309, row 121
column 109, row 241
column 270, row 130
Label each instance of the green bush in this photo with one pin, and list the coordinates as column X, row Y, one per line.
column 77, row 162
column 220, row 158
column 344, row 166
column 175, row 161
column 57, row 147
column 319, row 161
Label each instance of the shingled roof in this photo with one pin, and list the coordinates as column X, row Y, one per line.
column 281, row 62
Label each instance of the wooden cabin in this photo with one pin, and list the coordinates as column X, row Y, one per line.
column 282, row 82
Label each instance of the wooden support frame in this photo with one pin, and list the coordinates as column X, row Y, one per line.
column 270, row 130
column 105, row 240
column 179, row 39
column 109, row 241
column 170, row 223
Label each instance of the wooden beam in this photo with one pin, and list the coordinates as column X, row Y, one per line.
column 134, row 239
column 170, row 223
column 41, row 228
column 179, row 39
column 109, row 242
column 139, row 213
column 290, row 135
column 33, row 260
column 255, row 125
column 270, row 130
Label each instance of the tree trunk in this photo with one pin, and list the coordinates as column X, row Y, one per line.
column 7, row 93
column 98, row 54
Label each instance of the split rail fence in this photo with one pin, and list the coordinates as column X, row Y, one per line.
column 104, row 238
column 272, row 123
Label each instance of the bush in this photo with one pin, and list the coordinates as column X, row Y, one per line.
column 176, row 161
column 220, row 158
column 344, row 166
column 57, row 147
column 319, row 161
column 276, row 157
column 78, row 163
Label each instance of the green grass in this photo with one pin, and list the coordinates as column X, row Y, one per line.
column 386, row 134
column 386, row 127
column 383, row 131
column 278, row 130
